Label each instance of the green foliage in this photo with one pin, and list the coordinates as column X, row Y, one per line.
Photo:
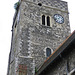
column 35, row 69
column 16, row 5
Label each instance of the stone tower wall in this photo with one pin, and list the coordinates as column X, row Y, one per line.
column 35, row 36
column 59, row 4
column 31, row 38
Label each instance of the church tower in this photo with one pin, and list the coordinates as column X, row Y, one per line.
column 39, row 27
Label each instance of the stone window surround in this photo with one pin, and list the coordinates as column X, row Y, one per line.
column 45, row 50
column 46, row 20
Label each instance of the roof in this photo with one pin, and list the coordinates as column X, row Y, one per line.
column 69, row 42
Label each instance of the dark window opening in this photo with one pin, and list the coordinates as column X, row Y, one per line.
column 39, row 4
column 48, row 52
column 15, row 24
column 43, row 19
column 48, row 21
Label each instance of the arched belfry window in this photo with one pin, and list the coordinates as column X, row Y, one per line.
column 48, row 21
column 48, row 52
column 43, row 19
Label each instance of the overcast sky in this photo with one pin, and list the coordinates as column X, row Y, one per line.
column 6, row 19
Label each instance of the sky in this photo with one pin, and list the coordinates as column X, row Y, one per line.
column 6, row 20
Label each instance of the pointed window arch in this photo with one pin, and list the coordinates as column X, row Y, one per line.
column 43, row 19
column 48, row 52
column 48, row 21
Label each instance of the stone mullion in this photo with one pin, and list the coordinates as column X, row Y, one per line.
column 45, row 20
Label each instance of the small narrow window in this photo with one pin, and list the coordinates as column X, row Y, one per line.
column 15, row 24
column 48, row 52
column 48, row 21
column 43, row 19
column 39, row 4
column 18, row 17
